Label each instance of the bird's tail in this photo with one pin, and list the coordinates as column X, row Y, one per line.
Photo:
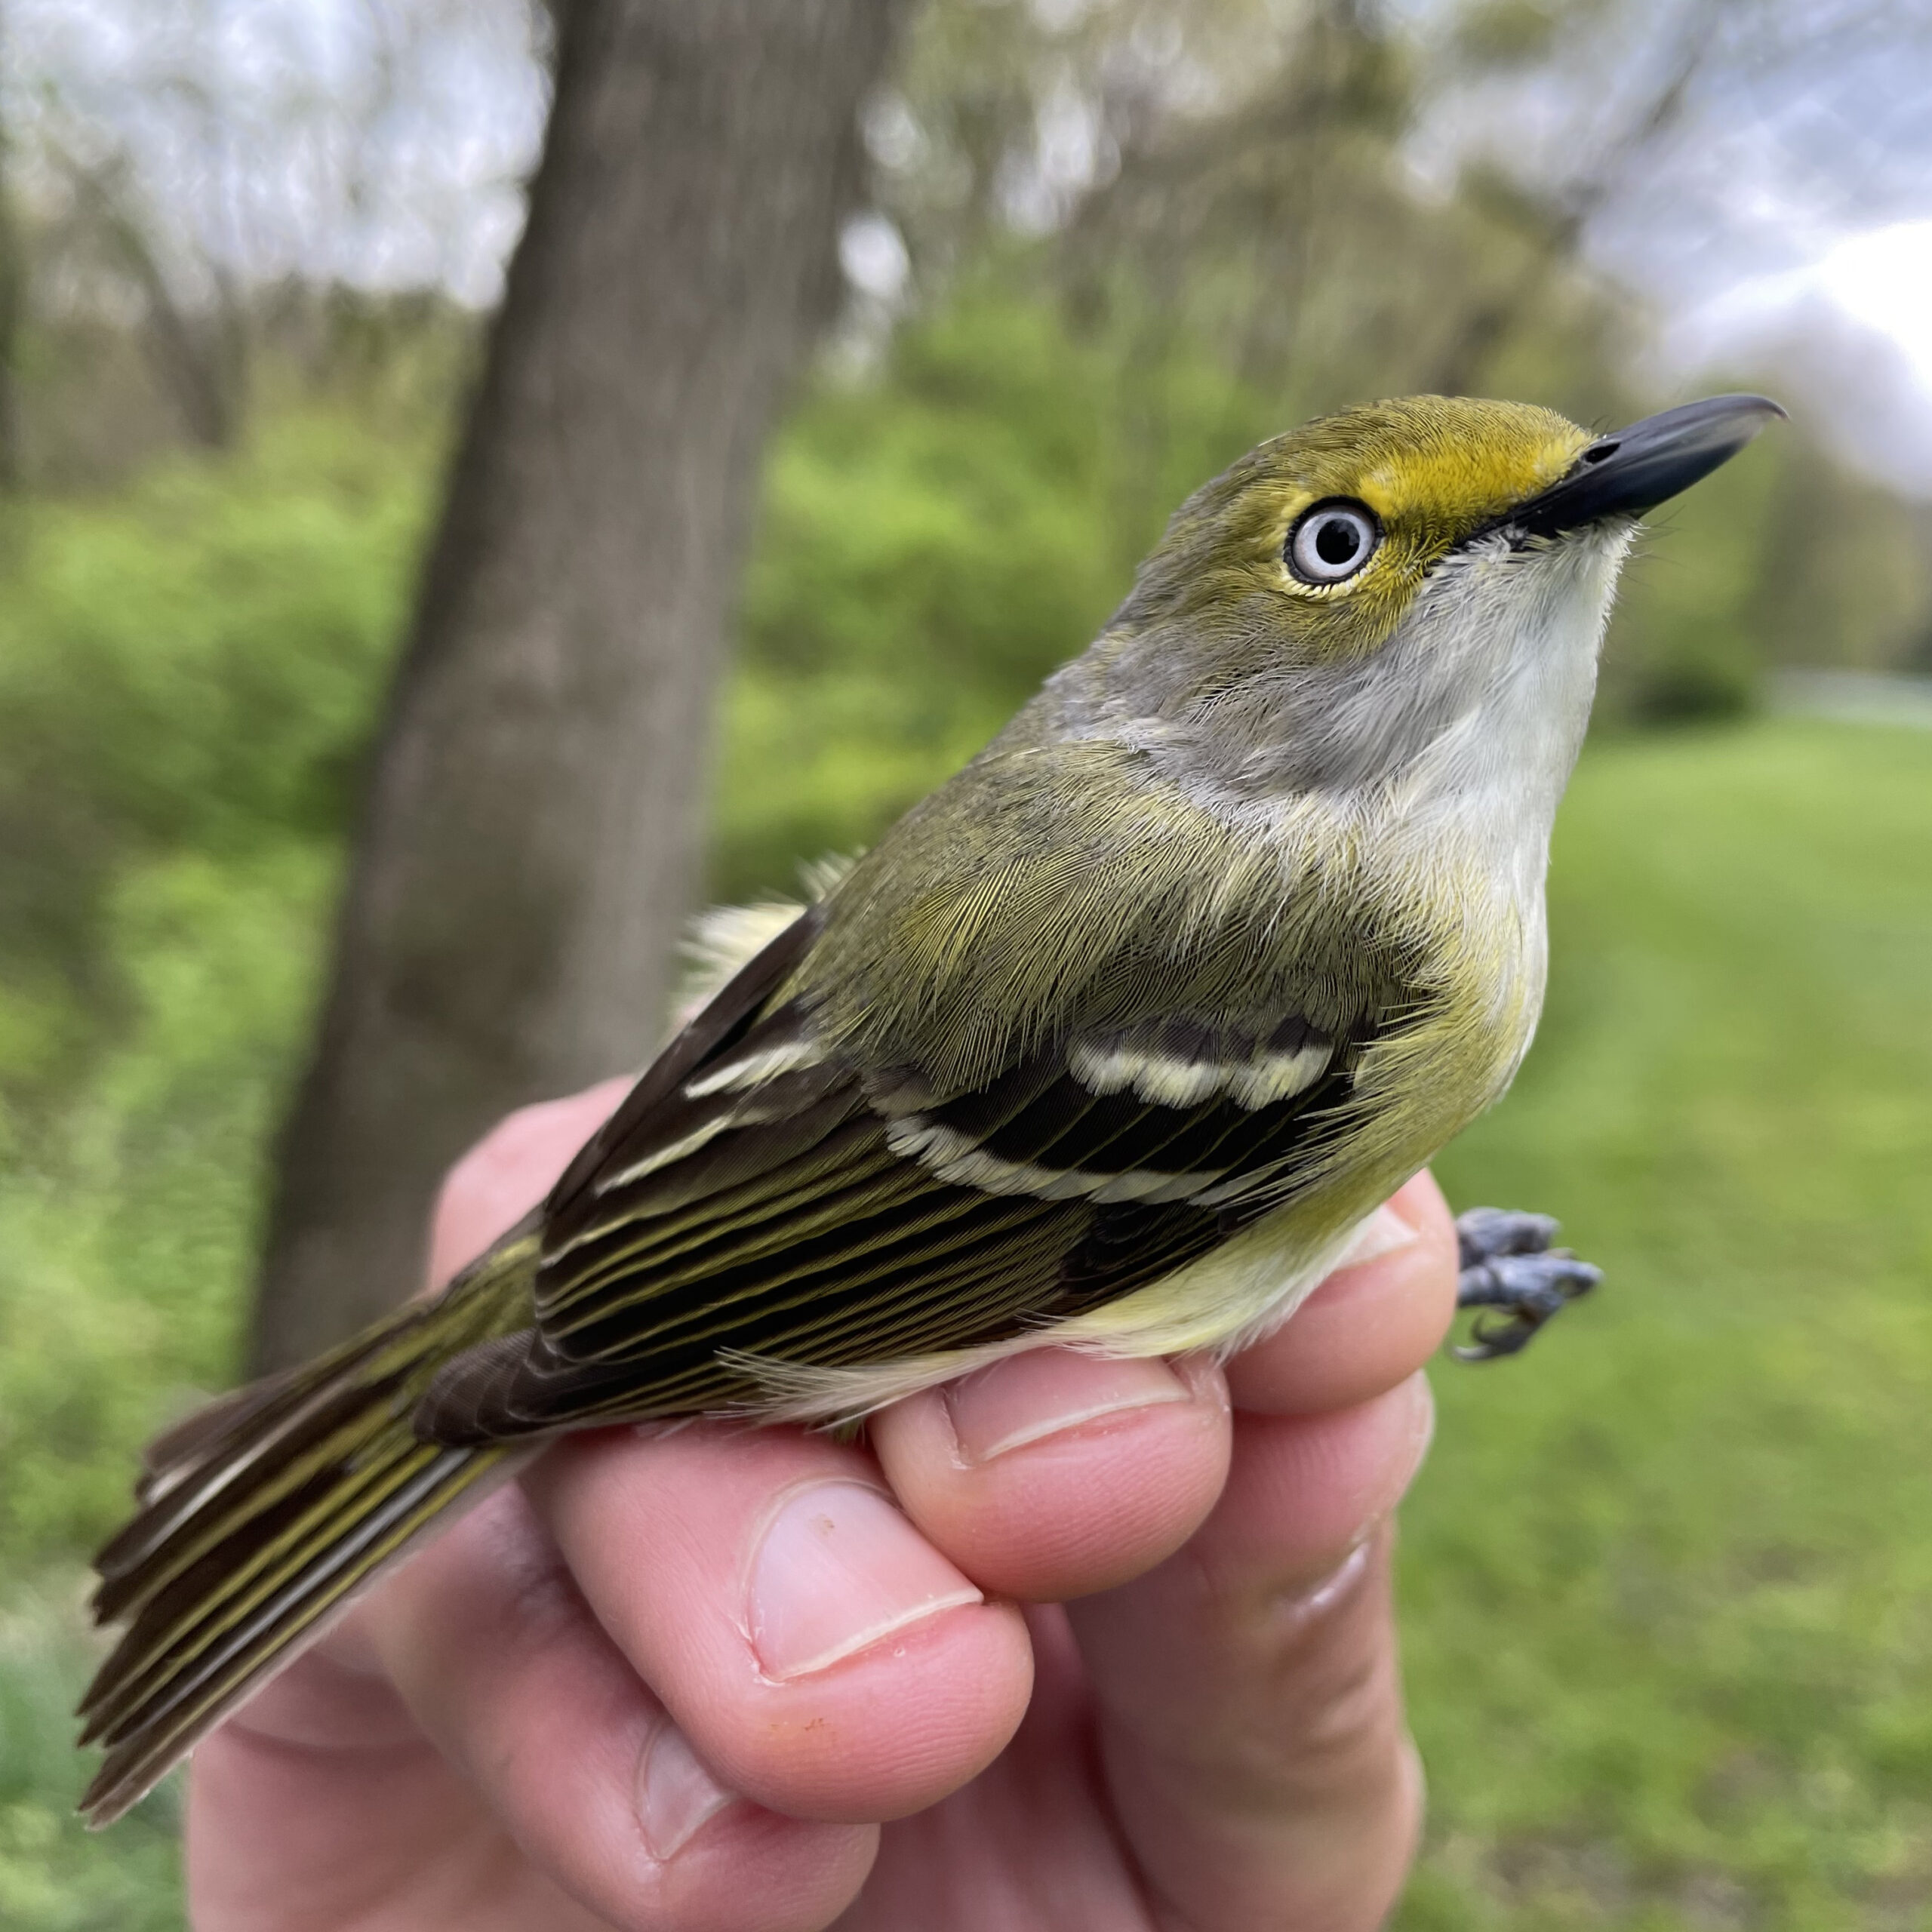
column 262, row 1515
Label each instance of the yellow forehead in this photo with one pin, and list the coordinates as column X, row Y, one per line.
column 1444, row 461
column 1468, row 484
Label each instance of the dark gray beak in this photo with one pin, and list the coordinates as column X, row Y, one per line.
column 1633, row 470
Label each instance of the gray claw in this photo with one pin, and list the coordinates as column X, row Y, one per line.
column 1509, row 1265
column 1483, row 1233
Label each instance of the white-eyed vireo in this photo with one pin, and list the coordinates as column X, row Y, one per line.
column 1113, row 1041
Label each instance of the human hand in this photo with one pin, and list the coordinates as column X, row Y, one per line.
column 1123, row 1656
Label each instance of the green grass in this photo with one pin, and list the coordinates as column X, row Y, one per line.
column 1668, row 1578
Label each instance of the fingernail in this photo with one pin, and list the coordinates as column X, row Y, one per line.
column 1030, row 1396
column 839, row 1568
column 1382, row 1233
column 676, row 1794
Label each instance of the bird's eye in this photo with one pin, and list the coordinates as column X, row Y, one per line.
column 1332, row 541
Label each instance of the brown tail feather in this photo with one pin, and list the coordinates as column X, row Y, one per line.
column 266, row 1514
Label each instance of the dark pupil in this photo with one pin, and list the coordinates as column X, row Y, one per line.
column 1337, row 540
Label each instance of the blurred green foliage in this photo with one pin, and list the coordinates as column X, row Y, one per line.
column 190, row 668
column 54, row 1875
column 938, row 534
column 192, row 664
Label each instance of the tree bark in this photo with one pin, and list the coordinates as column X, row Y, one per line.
column 12, row 309
column 527, row 846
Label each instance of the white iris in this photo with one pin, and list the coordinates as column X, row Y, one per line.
column 1332, row 542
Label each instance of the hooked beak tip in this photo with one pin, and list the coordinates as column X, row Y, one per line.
column 1634, row 469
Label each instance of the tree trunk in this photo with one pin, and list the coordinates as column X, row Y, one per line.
column 13, row 309
column 527, row 846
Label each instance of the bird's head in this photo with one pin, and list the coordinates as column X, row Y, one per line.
column 1345, row 594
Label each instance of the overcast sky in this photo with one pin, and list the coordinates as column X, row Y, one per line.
column 381, row 142
column 1783, row 218
column 1787, row 216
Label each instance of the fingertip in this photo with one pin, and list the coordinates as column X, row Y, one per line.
column 1371, row 1325
column 1055, row 1473
column 813, row 1646
column 1306, row 1489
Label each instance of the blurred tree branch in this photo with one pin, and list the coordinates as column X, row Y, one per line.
column 13, row 306
column 1555, row 219
column 199, row 354
column 526, row 847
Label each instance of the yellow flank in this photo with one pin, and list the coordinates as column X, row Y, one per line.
column 1249, row 1284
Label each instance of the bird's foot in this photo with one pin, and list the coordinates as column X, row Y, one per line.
column 1508, row 1264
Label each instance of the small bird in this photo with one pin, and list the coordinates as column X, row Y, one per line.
column 1114, row 1041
